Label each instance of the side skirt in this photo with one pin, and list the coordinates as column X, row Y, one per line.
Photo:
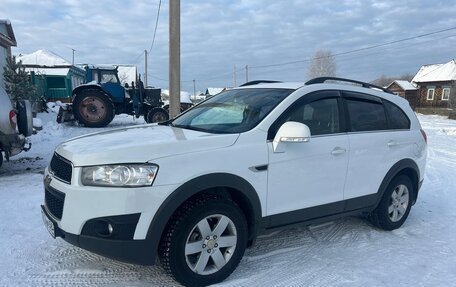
column 321, row 213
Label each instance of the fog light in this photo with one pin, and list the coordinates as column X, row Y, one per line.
column 103, row 228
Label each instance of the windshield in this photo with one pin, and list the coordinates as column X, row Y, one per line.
column 233, row 111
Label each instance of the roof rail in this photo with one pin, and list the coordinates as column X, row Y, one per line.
column 321, row 80
column 251, row 83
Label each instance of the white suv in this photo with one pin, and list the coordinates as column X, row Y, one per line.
column 195, row 191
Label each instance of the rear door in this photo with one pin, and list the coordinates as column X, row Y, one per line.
column 313, row 173
column 376, row 143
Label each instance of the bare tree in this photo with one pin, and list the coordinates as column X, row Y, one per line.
column 323, row 64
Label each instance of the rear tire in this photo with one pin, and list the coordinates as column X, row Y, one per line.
column 156, row 115
column 204, row 241
column 93, row 108
column 395, row 205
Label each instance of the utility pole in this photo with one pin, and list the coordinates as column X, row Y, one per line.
column 145, row 68
column 234, row 75
column 174, row 58
column 246, row 73
column 194, row 89
column 73, row 50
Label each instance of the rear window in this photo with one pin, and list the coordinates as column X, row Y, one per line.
column 398, row 120
column 366, row 115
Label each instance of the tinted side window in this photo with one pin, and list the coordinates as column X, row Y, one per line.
column 321, row 116
column 398, row 120
column 366, row 115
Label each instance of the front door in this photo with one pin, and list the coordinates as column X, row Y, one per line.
column 310, row 174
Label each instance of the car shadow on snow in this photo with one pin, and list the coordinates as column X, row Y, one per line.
column 67, row 263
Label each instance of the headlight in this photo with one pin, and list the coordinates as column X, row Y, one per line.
column 119, row 175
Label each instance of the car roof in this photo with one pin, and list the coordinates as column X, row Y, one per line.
column 275, row 85
column 319, row 83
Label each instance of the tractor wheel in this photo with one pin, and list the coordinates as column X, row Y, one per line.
column 93, row 108
column 156, row 115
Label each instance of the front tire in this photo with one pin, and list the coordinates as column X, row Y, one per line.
column 156, row 115
column 93, row 108
column 204, row 241
column 395, row 205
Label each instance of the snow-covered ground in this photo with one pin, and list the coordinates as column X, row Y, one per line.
column 347, row 252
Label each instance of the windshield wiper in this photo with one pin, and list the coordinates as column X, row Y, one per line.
column 166, row 123
column 189, row 127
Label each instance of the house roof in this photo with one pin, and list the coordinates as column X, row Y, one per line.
column 7, row 38
column 405, row 85
column 436, row 73
column 43, row 58
column 49, row 71
column 127, row 74
column 214, row 91
column 184, row 96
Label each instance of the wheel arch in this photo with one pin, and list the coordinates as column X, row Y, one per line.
column 224, row 184
column 83, row 88
column 406, row 167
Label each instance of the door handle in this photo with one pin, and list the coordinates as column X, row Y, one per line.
column 392, row 143
column 338, row 151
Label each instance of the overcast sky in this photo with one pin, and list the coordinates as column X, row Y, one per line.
column 218, row 34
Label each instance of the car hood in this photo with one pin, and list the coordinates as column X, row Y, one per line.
column 139, row 144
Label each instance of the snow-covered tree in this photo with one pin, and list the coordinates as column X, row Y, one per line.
column 323, row 65
column 17, row 81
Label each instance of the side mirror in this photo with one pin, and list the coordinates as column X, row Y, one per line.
column 290, row 132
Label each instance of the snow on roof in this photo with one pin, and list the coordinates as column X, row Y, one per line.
column 405, row 85
column 49, row 71
column 127, row 74
column 436, row 73
column 184, row 96
column 214, row 91
column 43, row 58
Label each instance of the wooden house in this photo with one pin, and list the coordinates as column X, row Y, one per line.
column 406, row 90
column 436, row 85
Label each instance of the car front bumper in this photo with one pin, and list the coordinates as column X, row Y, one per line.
column 113, row 222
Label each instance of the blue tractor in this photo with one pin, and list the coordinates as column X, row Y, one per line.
column 101, row 97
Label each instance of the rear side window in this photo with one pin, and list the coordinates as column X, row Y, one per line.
column 398, row 120
column 366, row 115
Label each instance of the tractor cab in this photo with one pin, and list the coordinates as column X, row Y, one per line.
column 107, row 77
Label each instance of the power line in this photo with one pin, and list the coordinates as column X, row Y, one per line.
column 137, row 58
column 156, row 25
column 355, row 50
column 357, row 56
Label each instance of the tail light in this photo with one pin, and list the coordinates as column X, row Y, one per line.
column 424, row 135
column 13, row 119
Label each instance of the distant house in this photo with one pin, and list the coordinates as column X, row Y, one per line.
column 54, row 77
column 406, row 90
column 436, row 85
column 7, row 40
column 214, row 91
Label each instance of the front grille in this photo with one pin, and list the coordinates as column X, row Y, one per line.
column 61, row 168
column 54, row 200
